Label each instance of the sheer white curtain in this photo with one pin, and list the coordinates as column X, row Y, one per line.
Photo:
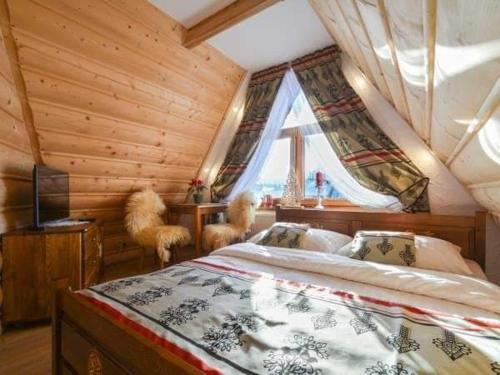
column 341, row 179
column 330, row 163
column 285, row 97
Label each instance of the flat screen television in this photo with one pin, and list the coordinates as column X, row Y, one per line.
column 50, row 195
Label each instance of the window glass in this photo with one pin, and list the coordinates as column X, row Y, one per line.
column 317, row 153
column 273, row 176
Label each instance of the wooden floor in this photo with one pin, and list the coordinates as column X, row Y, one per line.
column 27, row 350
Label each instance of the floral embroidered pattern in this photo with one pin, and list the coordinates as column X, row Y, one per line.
column 408, row 255
column 212, row 281
column 148, row 296
column 385, row 246
column 185, row 312
column 451, row 346
column 301, row 306
column 188, row 280
column 223, row 290
column 245, row 293
column 325, row 320
column 363, row 324
column 298, row 358
column 364, row 250
column 182, row 272
column 228, row 336
column 384, row 369
column 114, row 286
column 402, row 341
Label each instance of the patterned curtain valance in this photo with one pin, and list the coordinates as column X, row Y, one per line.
column 366, row 152
column 261, row 94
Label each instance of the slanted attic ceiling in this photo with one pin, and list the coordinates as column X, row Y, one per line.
column 436, row 62
column 282, row 32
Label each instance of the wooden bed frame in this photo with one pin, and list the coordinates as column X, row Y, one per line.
column 87, row 341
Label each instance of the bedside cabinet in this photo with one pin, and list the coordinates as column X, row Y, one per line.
column 33, row 260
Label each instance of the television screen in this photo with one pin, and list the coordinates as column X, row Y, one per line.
column 50, row 195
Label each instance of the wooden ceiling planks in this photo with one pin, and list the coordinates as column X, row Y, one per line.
column 407, row 30
column 440, row 59
column 117, row 100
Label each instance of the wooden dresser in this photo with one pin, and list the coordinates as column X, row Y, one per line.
column 33, row 260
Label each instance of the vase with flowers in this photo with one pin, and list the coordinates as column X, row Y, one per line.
column 196, row 188
column 320, row 179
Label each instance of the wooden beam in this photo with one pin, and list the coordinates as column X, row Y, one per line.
column 490, row 104
column 430, row 11
column 224, row 19
column 385, row 22
column 11, row 49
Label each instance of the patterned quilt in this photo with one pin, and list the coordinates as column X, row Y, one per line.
column 231, row 320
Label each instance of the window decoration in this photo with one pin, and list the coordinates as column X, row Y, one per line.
column 364, row 150
column 323, row 128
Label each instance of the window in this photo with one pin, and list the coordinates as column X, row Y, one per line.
column 301, row 146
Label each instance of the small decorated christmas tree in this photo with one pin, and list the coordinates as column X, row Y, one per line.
column 292, row 194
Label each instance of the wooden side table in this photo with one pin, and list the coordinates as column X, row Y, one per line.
column 198, row 211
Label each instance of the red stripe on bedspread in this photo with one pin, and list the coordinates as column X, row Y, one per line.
column 152, row 336
column 351, row 296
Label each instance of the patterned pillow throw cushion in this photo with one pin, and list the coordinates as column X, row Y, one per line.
column 287, row 235
column 396, row 248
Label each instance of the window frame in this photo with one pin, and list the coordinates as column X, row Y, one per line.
column 297, row 135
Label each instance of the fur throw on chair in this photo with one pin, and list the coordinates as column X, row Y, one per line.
column 241, row 215
column 145, row 225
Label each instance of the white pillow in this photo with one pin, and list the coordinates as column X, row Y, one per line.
column 432, row 254
column 440, row 255
column 326, row 241
column 476, row 270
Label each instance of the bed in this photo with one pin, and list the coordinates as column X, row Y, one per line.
column 258, row 310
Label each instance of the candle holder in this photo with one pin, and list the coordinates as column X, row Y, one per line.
column 319, row 204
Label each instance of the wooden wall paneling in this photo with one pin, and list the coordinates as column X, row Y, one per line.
column 118, row 102
column 157, row 22
column 74, row 143
column 40, row 56
column 373, row 18
column 77, row 37
column 15, row 191
column 466, row 67
column 91, row 165
column 52, row 89
column 100, row 184
column 50, row 116
column 406, row 21
column 358, row 30
column 20, row 96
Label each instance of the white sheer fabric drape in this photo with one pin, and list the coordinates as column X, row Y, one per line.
column 285, row 97
column 341, row 179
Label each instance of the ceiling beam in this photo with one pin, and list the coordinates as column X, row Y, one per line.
column 224, row 19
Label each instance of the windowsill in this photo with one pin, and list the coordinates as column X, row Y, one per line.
column 311, row 202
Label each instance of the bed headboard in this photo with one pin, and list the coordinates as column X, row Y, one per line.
column 468, row 232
